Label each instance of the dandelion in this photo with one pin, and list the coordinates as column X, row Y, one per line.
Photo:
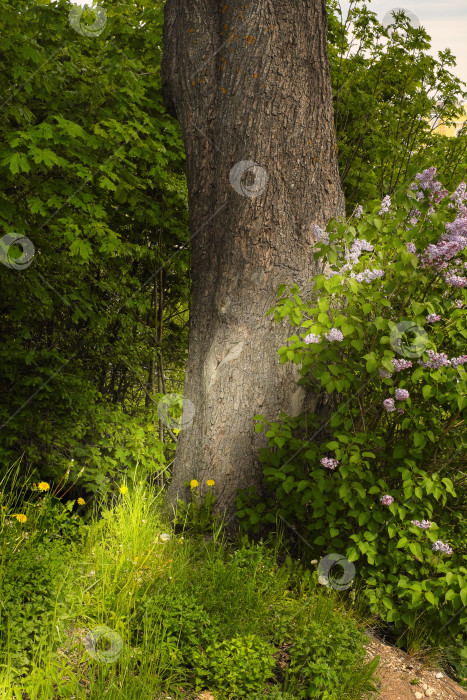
column 43, row 486
column 386, row 500
column 193, row 484
column 20, row 517
column 81, row 501
column 210, row 482
column 123, row 489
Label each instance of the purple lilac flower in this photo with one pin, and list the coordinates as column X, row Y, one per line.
column 455, row 280
column 432, row 318
column 424, row 525
column 319, row 234
column 402, row 394
column 389, row 405
column 386, row 500
column 458, row 196
column 358, row 211
column 334, row 334
column 385, row 205
column 399, row 365
column 329, row 462
column 384, row 374
column 437, row 360
column 312, row 338
column 461, row 360
column 426, row 181
column 356, row 249
column 440, row 546
column 369, row 275
column 459, row 303
column 411, row 248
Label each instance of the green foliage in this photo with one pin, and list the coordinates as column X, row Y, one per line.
column 196, row 517
column 327, row 658
column 387, row 88
column 235, row 666
column 416, row 453
column 186, row 612
column 35, row 597
column 92, row 172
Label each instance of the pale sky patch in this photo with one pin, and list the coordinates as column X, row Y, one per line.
column 444, row 20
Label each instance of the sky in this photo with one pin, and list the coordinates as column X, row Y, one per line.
column 444, row 20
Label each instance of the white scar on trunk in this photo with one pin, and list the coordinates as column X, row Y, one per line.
column 211, row 367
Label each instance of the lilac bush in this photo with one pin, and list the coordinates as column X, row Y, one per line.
column 392, row 398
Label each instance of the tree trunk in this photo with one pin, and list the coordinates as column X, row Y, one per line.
column 249, row 84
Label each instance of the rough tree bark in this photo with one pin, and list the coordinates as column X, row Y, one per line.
column 247, row 82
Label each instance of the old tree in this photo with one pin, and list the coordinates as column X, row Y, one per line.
column 250, row 86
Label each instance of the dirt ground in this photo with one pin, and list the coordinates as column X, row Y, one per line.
column 403, row 678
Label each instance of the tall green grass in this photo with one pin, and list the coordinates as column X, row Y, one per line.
column 163, row 599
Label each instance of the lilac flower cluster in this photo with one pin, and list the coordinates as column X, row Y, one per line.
column 458, row 197
column 319, row 234
column 437, row 360
column 432, row 318
column 334, row 334
column 440, row 546
column 399, row 365
column 312, row 338
column 389, row 405
column 459, row 303
column 358, row 211
column 329, row 462
column 386, row 500
column 385, row 205
column 426, row 181
column 456, row 280
column 368, row 275
column 356, row 249
column 402, row 394
column 411, row 248
column 440, row 359
column 425, row 524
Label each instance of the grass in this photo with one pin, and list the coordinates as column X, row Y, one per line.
column 120, row 607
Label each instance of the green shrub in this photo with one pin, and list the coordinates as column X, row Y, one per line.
column 327, row 661
column 357, row 475
column 234, row 667
column 35, row 602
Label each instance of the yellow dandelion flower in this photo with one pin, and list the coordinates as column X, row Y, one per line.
column 81, row 501
column 20, row 517
column 123, row 489
column 43, row 486
column 210, row 482
column 193, row 484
